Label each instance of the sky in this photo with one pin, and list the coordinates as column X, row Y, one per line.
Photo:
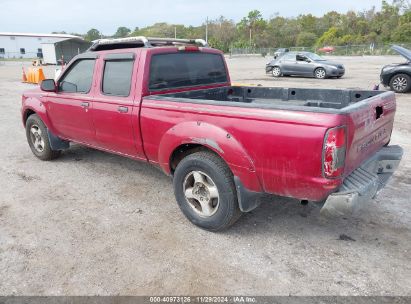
column 46, row 16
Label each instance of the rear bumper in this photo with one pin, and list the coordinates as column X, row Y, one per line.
column 364, row 183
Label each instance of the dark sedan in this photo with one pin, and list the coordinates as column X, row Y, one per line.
column 304, row 64
column 398, row 76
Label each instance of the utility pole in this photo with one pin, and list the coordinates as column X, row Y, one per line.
column 206, row 29
column 250, row 37
column 175, row 32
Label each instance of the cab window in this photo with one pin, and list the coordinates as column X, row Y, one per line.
column 185, row 69
column 79, row 78
column 117, row 77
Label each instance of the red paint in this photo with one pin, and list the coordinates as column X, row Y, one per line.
column 327, row 49
column 274, row 151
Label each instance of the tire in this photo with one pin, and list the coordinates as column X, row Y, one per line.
column 205, row 177
column 320, row 73
column 36, row 133
column 400, row 83
column 276, row 71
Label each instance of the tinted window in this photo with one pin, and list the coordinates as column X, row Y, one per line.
column 79, row 77
column 186, row 69
column 117, row 77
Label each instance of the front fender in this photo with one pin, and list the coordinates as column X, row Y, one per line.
column 215, row 139
column 35, row 105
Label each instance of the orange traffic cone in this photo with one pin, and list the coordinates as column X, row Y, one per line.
column 24, row 77
column 30, row 75
column 41, row 76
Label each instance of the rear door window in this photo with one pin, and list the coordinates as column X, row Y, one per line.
column 186, row 70
column 117, row 77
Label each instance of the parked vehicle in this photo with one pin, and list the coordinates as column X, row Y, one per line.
column 304, row 64
column 398, row 76
column 279, row 52
column 326, row 49
column 170, row 103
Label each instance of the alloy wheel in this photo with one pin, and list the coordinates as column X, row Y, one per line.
column 320, row 73
column 276, row 72
column 400, row 84
column 37, row 138
column 201, row 193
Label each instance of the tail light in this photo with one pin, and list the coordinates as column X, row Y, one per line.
column 334, row 152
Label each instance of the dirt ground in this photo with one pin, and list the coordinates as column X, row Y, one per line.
column 93, row 223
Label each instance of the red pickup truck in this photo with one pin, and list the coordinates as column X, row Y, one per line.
column 170, row 102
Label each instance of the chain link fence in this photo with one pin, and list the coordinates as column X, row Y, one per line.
column 346, row 50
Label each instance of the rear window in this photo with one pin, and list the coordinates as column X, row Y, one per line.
column 186, row 70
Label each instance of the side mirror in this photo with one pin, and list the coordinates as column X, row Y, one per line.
column 48, row 85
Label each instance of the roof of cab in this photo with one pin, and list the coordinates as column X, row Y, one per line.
column 142, row 42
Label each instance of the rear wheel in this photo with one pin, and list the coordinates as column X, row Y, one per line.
column 320, row 73
column 205, row 191
column 37, row 137
column 400, row 83
column 276, row 71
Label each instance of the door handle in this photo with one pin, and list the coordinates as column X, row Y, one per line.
column 123, row 109
column 84, row 104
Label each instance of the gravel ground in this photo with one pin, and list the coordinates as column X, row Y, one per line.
column 93, row 223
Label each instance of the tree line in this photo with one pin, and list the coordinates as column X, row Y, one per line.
column 390, row 24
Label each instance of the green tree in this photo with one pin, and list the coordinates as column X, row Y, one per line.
column 402, row 33
column 221, row 33
column 252, row 25
column 330, row 37
column 92, row 34
column 306, row 39
column 122, row 31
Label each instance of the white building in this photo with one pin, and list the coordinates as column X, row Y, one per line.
column 50, row 47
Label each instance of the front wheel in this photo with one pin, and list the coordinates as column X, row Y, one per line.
column 400, row 83
column 276, row 71
column 205, row 191
column 36, row 133
column 320, row 73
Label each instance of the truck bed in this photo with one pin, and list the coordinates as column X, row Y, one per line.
column 282, row 121
column 312, row 100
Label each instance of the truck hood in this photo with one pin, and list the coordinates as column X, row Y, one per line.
column 402, row 51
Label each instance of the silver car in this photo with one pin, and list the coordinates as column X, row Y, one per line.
column 304, row 64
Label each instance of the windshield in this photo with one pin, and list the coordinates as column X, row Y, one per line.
column 315, row 57
column 185, row 70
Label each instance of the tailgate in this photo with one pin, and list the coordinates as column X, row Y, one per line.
column 369, row 126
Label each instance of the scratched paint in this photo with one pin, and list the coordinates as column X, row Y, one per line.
column 208, row 142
